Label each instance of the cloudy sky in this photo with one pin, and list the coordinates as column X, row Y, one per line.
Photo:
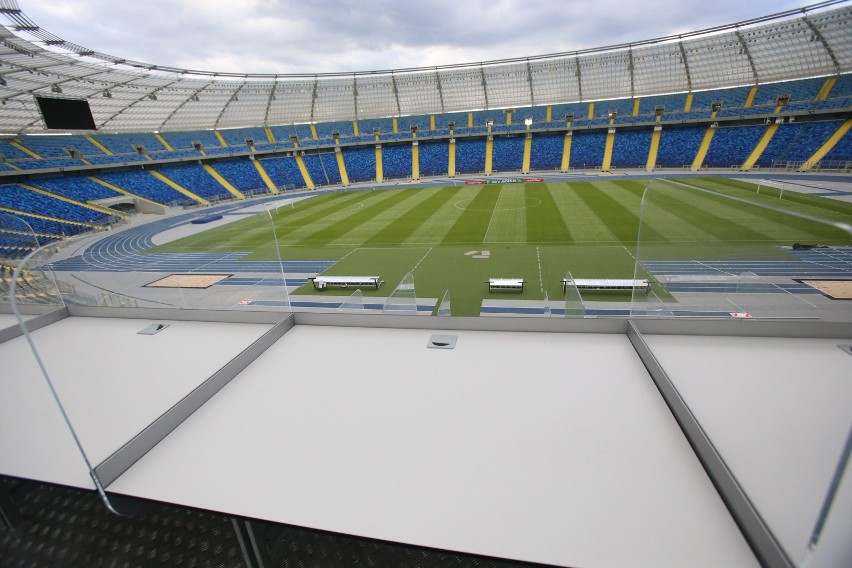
column 311, row 36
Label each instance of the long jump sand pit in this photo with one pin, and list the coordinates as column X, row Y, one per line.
column 188, row 281
column 834, row 289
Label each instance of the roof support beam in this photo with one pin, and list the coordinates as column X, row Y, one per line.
column 440, row 89
column 579, row 78
column 314, row 97
column 748, row 55
column 630, row 70
column 355, row 95
column 269, row 102
column 232, row 98
column 395, row 94
column 824, row 43
column 484, row 84
column 685, row 65
column 530, row 81
column 193, row 96
column 147, row 95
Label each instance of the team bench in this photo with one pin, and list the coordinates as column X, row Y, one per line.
column 506, row 284
column 606, row 284
column 323, row 282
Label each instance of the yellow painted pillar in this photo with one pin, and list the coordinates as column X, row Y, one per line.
column 610, row 142
column 355, row 128
column 548, row 114
column 304, row 171
column 313, row 131
column 688, row 104
column 654, row 149
column 591, row 111
column 470, row 120
column 395, row 126
column 177, row 187
column 415, row 160
column 162, row 141
column 269, row 136
column 338, row 154
column 220, row 138
column 826, row 88
column 508, row 117
column 264, row 176
column 489, row 154
column 827, row 146
column 760, row 147
column 702, row 150
column 223, row 182
column 566, row 153
column 636, row 107
column 750, row 98
column 451, row 161
column 431, row 122
column 525, row 166
column 380, row 176
column 98, row 145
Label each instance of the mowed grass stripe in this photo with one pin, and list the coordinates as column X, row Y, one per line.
column 323, row 208
column 509, row 223
column 776, row 225
column 545, row 223
column 585, row 225
column 363, row 232
column 473, row 223
column 707, row 213
column 297, row 231
column 343, row 224
column 656, row 220
column 433, row 231
column 811, row 204
column 409, row 222
column 622, row 222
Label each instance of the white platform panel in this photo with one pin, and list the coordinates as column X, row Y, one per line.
column 9, row 320
column 777, row 410
column 553, row 448
column 112, row 381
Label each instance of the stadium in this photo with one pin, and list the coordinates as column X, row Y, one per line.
column 586, row 308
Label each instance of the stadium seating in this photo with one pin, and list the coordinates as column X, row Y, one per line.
column 546, row 151
column 679, row 145
column 735, row 97
column 237, row 137
column 623, row 107
column 459, row 118
column 195, row 179
column 396, row 161
column 326, row 129
column 75, row 187
column 537, row 114
column 670, row 103
column 186, row 140
column 470, row 155
column 283, row 171
column 242, row 174
column 49, row 163
column 366, row 126
column 126, row 143
column 797, row 141
column 10, row 152
column 55, row 146
column 434, row 158
column 802, row 90
column 145, row 185
column 22, row 199
column 587, row 149
column 508, row 153
column 322, row 168
column 360, row 163
column 630, row 148
column 118, row 159
column 731, row 145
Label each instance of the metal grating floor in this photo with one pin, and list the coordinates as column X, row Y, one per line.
column 71, row 528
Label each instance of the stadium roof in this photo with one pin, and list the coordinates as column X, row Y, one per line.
column 132, row 96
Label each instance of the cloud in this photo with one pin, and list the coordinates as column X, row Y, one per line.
column 289, row 36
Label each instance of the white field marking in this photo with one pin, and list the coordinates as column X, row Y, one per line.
column 540, row 277
column 421, row 259
column 491, row 220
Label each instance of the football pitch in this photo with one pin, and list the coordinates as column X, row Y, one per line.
column 456, row 238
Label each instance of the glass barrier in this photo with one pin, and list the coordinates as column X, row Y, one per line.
column 445, row 307
column 25, row 274
column 206, row 259
column 706, row 249
column 403, row 300
column 354, row 304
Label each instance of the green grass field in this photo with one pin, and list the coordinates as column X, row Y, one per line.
column 537, row 231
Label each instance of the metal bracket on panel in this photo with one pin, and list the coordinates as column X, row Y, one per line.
column 438, row 341
column 153, row 329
